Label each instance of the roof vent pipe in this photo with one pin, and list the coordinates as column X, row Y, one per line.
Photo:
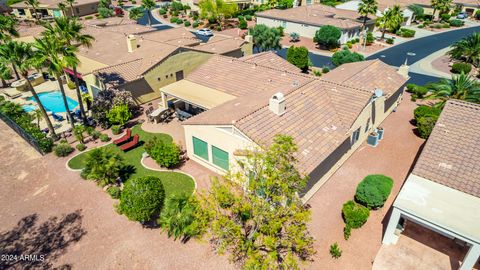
column 277, row 104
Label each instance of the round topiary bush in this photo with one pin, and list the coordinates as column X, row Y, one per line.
column 173, row 19
column 354, row 214
column 424, row 110
column 248, row 17
column 142, row 198
column 104, row 138
column 186, row 23
column 458, row 68
column 456, row 23
column 243, row 24
column 373, row 191
column 116, row 130
column 81, row 147
column 425, row 125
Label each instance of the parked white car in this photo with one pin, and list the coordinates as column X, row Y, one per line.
column 205, row 32
column 462, row 15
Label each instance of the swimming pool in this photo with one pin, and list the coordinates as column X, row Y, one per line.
column 52, row 101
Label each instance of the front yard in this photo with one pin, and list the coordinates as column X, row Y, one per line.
column 173, row 182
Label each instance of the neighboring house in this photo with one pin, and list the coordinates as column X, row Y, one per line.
column 140, row 59
column 306, row 20
column 353, row 6
column 49, row 9
column 442, row 193
column 243, row 103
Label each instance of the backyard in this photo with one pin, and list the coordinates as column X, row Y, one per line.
column 173, row 182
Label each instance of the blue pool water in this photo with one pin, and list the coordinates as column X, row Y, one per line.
column 52, row 101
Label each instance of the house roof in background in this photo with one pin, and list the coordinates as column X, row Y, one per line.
column 53, row 3
column 270, row 59
column 221, row 44
column 317, row 15
column 368, row 75
column 451, row 156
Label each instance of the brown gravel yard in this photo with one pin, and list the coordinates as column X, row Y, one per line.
column 93, row 236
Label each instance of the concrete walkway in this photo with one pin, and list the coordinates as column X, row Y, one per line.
column 425, row 67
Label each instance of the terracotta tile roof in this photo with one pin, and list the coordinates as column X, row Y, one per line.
column 406, row 3
column 270, row 59
column 221, row 44
column 238, row 78
column 451, row 156
column 317, row 15
column 368, row 75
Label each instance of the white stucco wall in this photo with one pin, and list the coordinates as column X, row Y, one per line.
column 304, row 30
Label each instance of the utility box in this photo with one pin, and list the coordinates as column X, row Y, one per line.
column 380, row 132
column 373, row 139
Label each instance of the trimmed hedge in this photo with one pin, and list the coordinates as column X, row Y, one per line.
column 354, row 214
column 458, row 68
column 425, row 125
column 374, row 190
column 424, row 110
column 404, row 32
column 456, row 23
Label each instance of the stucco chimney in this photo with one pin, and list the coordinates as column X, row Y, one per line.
column 249, row 38
column 131, row 43
column 277, row 104
column 403, row 69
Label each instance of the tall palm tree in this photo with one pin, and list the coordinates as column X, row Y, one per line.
column 467, row 49
column 55, row 55
column 25, row 61
column 10, row 55
column 70, row 4
column 148, row 5
column 365, row 8
column 63, row 7
column 5, row 74
column 135, row 13
column 390, row 20
column 34, row 4
column 443, row 6
column 461, row 86
column 69, row 30
column 8, row 28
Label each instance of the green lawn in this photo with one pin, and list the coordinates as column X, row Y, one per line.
column 173, row 182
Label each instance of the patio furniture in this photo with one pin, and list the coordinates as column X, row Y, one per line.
column 148, row 112
column 157, row 114
column 181, row 115
column 57, row 117
column 130, row 144
column 124, row 138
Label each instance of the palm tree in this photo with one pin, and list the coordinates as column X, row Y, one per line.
column 9, row 55
column 365, row 8
column 8, row 28
column 443, row 6
column 69, row 30
column 25, row 61
column 55, row 55
column 63, row 7
column 391, row 20
column 34, row 4
column 467, row 49
column 148, row 5
column 461, row 86
column 135, row 13
column 70, row 4
column 177, row 216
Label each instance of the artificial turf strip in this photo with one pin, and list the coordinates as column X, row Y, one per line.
column 173, row 182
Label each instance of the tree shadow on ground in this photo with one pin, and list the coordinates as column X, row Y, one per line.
column 50, row 239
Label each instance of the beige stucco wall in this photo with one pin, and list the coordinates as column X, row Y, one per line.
column 80, row 10
column 220, row 138
column 305, row 30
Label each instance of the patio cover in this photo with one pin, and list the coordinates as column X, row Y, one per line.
column 196, row 94
column 452, row 210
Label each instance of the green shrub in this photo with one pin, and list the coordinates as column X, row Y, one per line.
column 103, row 166
column 325, row 69
column 411, row 87
column 420, row 26
column 133, row 2
column 88, row 17
column 71, row 85
column 81, row 147
column 445, row 25
column 349, row 45
column 425, row 125
column 445, row 17
column 420, row 91
column 456, row 23
column 373, row 191
column 179, row 217
column 116, row 129
column 165, row 154
column 389, row 40
column 219, row 28
column 424, row 110
column 142, row 198
column 346, row 56
column 195, row 24
column 370, row 38
column 162, row 11
column 104, row 138
column 95, row 134
column 354, row 214
column 119, row 114
column 458, row 68
column 328, row 36
column 248, row 17
column 173, row 19
column 347, row 231
column 63, row 149
column 186, row 23
column 179, row 21
column 243, row 24
column 405, row 32
column 114, row 192
column 317, row 73
column 335, row 251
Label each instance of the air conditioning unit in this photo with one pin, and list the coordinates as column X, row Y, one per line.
column 380, row 132
column 372, row 139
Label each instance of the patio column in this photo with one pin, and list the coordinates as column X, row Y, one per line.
column 390, row 237
column 164, row 100
column 471, row 258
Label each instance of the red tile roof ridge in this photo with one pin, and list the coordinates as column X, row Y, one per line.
column 116, row 65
